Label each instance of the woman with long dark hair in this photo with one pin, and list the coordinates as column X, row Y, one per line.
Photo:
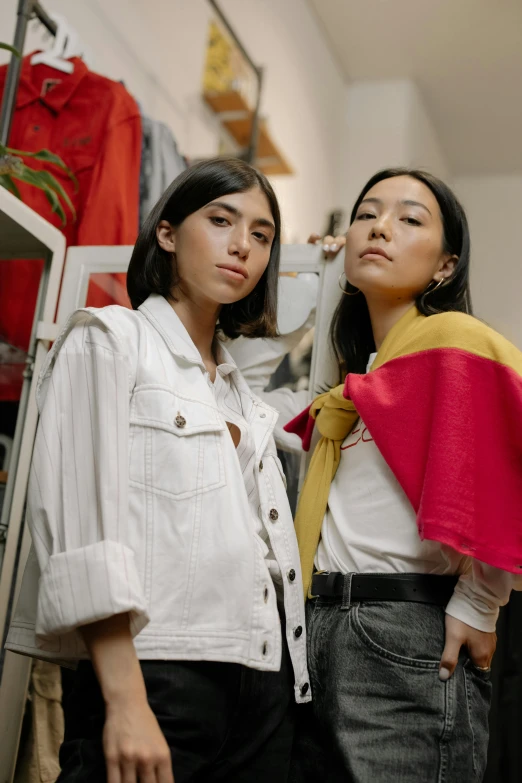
column 409, row 519
column 165, row 560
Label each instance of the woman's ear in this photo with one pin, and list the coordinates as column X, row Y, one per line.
column 166, row 236
column 447, row 268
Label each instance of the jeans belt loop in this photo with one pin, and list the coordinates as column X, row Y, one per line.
column 347, row 591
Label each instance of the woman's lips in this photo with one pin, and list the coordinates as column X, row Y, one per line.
column 233, row 272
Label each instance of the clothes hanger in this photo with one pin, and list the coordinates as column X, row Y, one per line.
column 66, row 44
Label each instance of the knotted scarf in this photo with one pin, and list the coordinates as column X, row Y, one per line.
column 443, row 403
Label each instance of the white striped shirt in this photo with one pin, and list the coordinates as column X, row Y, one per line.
column 231, row 405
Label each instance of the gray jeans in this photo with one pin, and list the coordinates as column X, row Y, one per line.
column 379, row 713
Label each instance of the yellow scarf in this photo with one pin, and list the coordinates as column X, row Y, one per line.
column 337, row 419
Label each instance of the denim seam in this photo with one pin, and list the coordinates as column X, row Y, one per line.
column 468, row 705
column 393, row 657
column 450, row 703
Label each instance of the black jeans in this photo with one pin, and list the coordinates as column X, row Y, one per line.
column 379, row 713
column 222, row 721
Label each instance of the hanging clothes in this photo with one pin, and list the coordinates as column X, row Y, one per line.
column 161, row 163
column 94, row 125
column 38, row 758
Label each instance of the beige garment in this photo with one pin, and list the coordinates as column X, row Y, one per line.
column 38, row 759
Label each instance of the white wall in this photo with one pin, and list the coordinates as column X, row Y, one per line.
column 494, row 208
column 157, row 48
column 386, row 124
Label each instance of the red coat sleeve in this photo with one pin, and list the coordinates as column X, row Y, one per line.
column 110, row 215
column 110, row 212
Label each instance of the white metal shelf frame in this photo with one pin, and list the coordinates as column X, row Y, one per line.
column 23, row 234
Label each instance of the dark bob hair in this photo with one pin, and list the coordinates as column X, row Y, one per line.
column 351, row 332
column 153, row 270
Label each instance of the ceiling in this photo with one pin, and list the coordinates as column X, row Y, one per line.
column 464, row 55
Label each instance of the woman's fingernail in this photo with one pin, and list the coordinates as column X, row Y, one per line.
column 326, row 248
column 444, row 674
column 333, row 248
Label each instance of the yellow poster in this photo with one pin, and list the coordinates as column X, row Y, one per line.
column 225, row 67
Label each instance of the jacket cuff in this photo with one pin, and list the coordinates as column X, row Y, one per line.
column 89, row 584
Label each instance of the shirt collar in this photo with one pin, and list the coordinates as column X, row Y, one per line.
column 226, row 364
column 165, row 320
column 33, row 77
column 162, row 316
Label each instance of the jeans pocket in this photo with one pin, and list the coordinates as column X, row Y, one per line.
column 478, row 701
column 411, row 634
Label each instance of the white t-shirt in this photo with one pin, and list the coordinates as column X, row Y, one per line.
column 370, row 527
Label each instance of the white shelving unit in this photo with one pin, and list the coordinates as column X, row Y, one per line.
column 23, row 234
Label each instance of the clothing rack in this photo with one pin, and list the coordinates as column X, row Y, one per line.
column 27, row 10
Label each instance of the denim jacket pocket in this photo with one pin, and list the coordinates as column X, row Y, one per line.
column 176, row 445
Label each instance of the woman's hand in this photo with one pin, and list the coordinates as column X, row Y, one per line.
column 331, row 245
column 135, row 749
column 480, row 644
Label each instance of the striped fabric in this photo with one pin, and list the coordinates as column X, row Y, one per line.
column 237, row 409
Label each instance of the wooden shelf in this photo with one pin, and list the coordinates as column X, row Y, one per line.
column 236, row 116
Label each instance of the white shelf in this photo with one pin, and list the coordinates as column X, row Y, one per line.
column 23, row 233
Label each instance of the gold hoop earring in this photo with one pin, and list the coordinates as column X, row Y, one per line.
column 435, row 287
column 347, row 293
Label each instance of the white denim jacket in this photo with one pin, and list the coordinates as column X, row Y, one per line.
column 137, row 504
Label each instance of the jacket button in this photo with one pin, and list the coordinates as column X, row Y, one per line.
column 180, row 420
column 262, row 415
column 291, row 575
column 298, row 631
column 261, row 465
column 304, row 689
column 274, row 514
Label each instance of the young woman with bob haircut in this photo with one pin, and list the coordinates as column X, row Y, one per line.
column 165, row 561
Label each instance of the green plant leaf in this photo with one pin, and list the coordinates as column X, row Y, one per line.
column 10, row 185
column 54, row 201
column 47, row 157
column 31, row 177
column 10, row 49
column 53, row 183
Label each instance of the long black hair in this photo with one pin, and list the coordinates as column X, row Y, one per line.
column 351, row 331
column 153, row 270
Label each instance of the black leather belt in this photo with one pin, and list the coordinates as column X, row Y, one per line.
column 424, row 588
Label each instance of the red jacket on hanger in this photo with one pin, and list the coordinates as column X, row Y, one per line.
column 94, row 125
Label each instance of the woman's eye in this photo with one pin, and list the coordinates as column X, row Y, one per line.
column 219, row 221
column 365, row 216
column 412, row 221
column 261, row 237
